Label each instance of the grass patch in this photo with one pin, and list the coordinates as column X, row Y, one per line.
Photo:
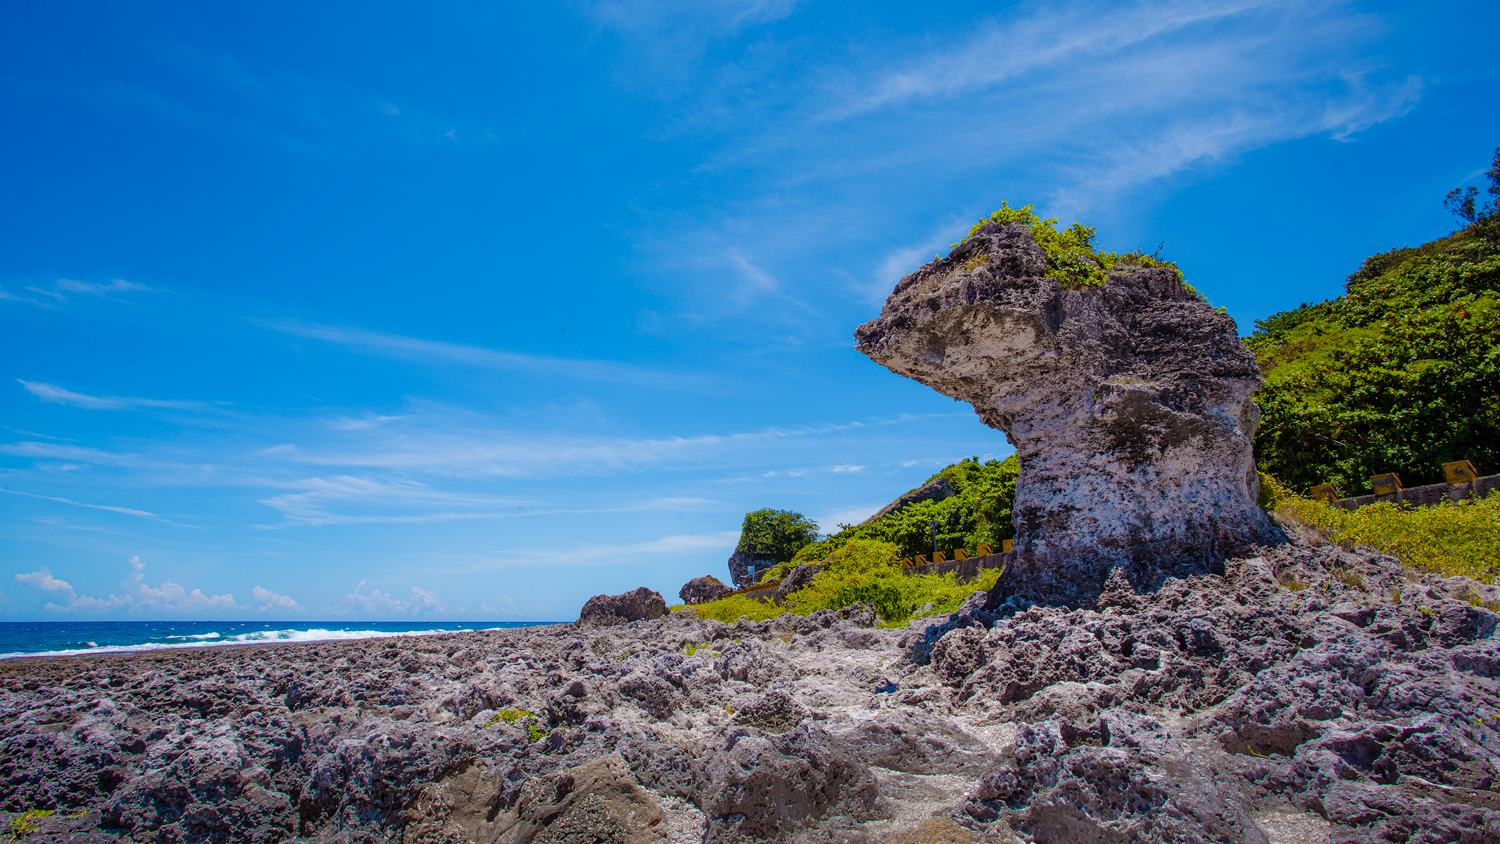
column 530, row 720
column 732, row 608
column 861, row 570
column 1449, row 539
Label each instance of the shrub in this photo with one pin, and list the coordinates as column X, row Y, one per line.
column 775, row 534
column 732, row 608
column 1071, row 256
column 978, row 513
column 870, row 571
column 1450, row 538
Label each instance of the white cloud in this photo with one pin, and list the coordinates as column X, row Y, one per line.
column 42, row 579
column 423, row 599
column 272, row 601
column 59, row 395
column 846, row 469
column 375, row 602
column 139, row 597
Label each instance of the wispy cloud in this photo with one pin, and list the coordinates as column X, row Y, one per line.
column 1072, row 106
column 414, row 347
column 60, row 395
column 56, row 294
column 126, row 510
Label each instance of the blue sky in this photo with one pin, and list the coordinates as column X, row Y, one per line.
column 471, row 311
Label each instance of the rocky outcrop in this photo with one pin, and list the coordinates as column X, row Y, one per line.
column 701, row 590
column 743, row 568
column 1128, row 404
column 636, row 605
column 934, row 490
column 1306, row 694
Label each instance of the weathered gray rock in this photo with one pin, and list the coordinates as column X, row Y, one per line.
column 800, row 577
column 1128, row 404
column 745, row 570
column 1293, row 692
column 935, row 490
column 609, row 610
column 701, row 590
column 1122, row 778
column 915, row 742
column 759, row 786
column 597, row 803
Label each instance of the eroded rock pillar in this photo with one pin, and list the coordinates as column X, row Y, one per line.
column 1128, row 404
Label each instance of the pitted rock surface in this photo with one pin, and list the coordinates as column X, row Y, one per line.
column 1257, row 705
column 637, row 605
column 1128, row 404
column 701, row 590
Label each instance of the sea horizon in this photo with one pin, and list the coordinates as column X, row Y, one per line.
column 33, row 639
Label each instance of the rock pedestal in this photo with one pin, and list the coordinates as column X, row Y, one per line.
column 1128, row 404
column 636, row 605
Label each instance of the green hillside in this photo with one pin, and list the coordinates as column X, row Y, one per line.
column 1399, row 374
column 978, row 513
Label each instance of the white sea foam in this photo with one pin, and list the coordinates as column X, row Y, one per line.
column 254, row 637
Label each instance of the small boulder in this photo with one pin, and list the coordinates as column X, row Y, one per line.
column 609, row 610
column 701, row 590
column 596, row 802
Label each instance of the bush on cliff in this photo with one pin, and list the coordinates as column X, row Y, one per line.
column 778, row 535
column 979, row 513
column 862, row 570
column 1071, row 256
column 1399, row 374
column 1450, row 538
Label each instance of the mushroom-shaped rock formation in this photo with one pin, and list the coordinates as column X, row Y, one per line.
column 1128, row 403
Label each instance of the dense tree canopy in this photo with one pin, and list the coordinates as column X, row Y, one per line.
column 778, row 535
column 978, row 513
column 1400, row 374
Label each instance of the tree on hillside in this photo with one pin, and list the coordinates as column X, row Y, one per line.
column 1400, row 374
column 775, row 534
column 1464, row 202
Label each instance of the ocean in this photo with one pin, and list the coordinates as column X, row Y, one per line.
column 79, row 638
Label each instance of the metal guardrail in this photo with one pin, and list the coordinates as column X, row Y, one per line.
column 1462, row 481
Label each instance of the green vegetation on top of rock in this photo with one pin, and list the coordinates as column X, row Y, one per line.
column 1400, row 374
column 978, row 513
column 768, row 534
column 1071, row 256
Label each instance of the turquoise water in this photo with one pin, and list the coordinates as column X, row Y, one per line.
column 76, row 638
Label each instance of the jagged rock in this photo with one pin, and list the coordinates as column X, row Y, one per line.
column 915, row 742
column 935, row 490
column 766, row 787
column 598, row 803
column 636, row 605
column 701, row 590
column 800, row 577
column 744, row 569
column 1128, row 404
column 1121, row 778
column 1292, row 692
column 934, row 831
